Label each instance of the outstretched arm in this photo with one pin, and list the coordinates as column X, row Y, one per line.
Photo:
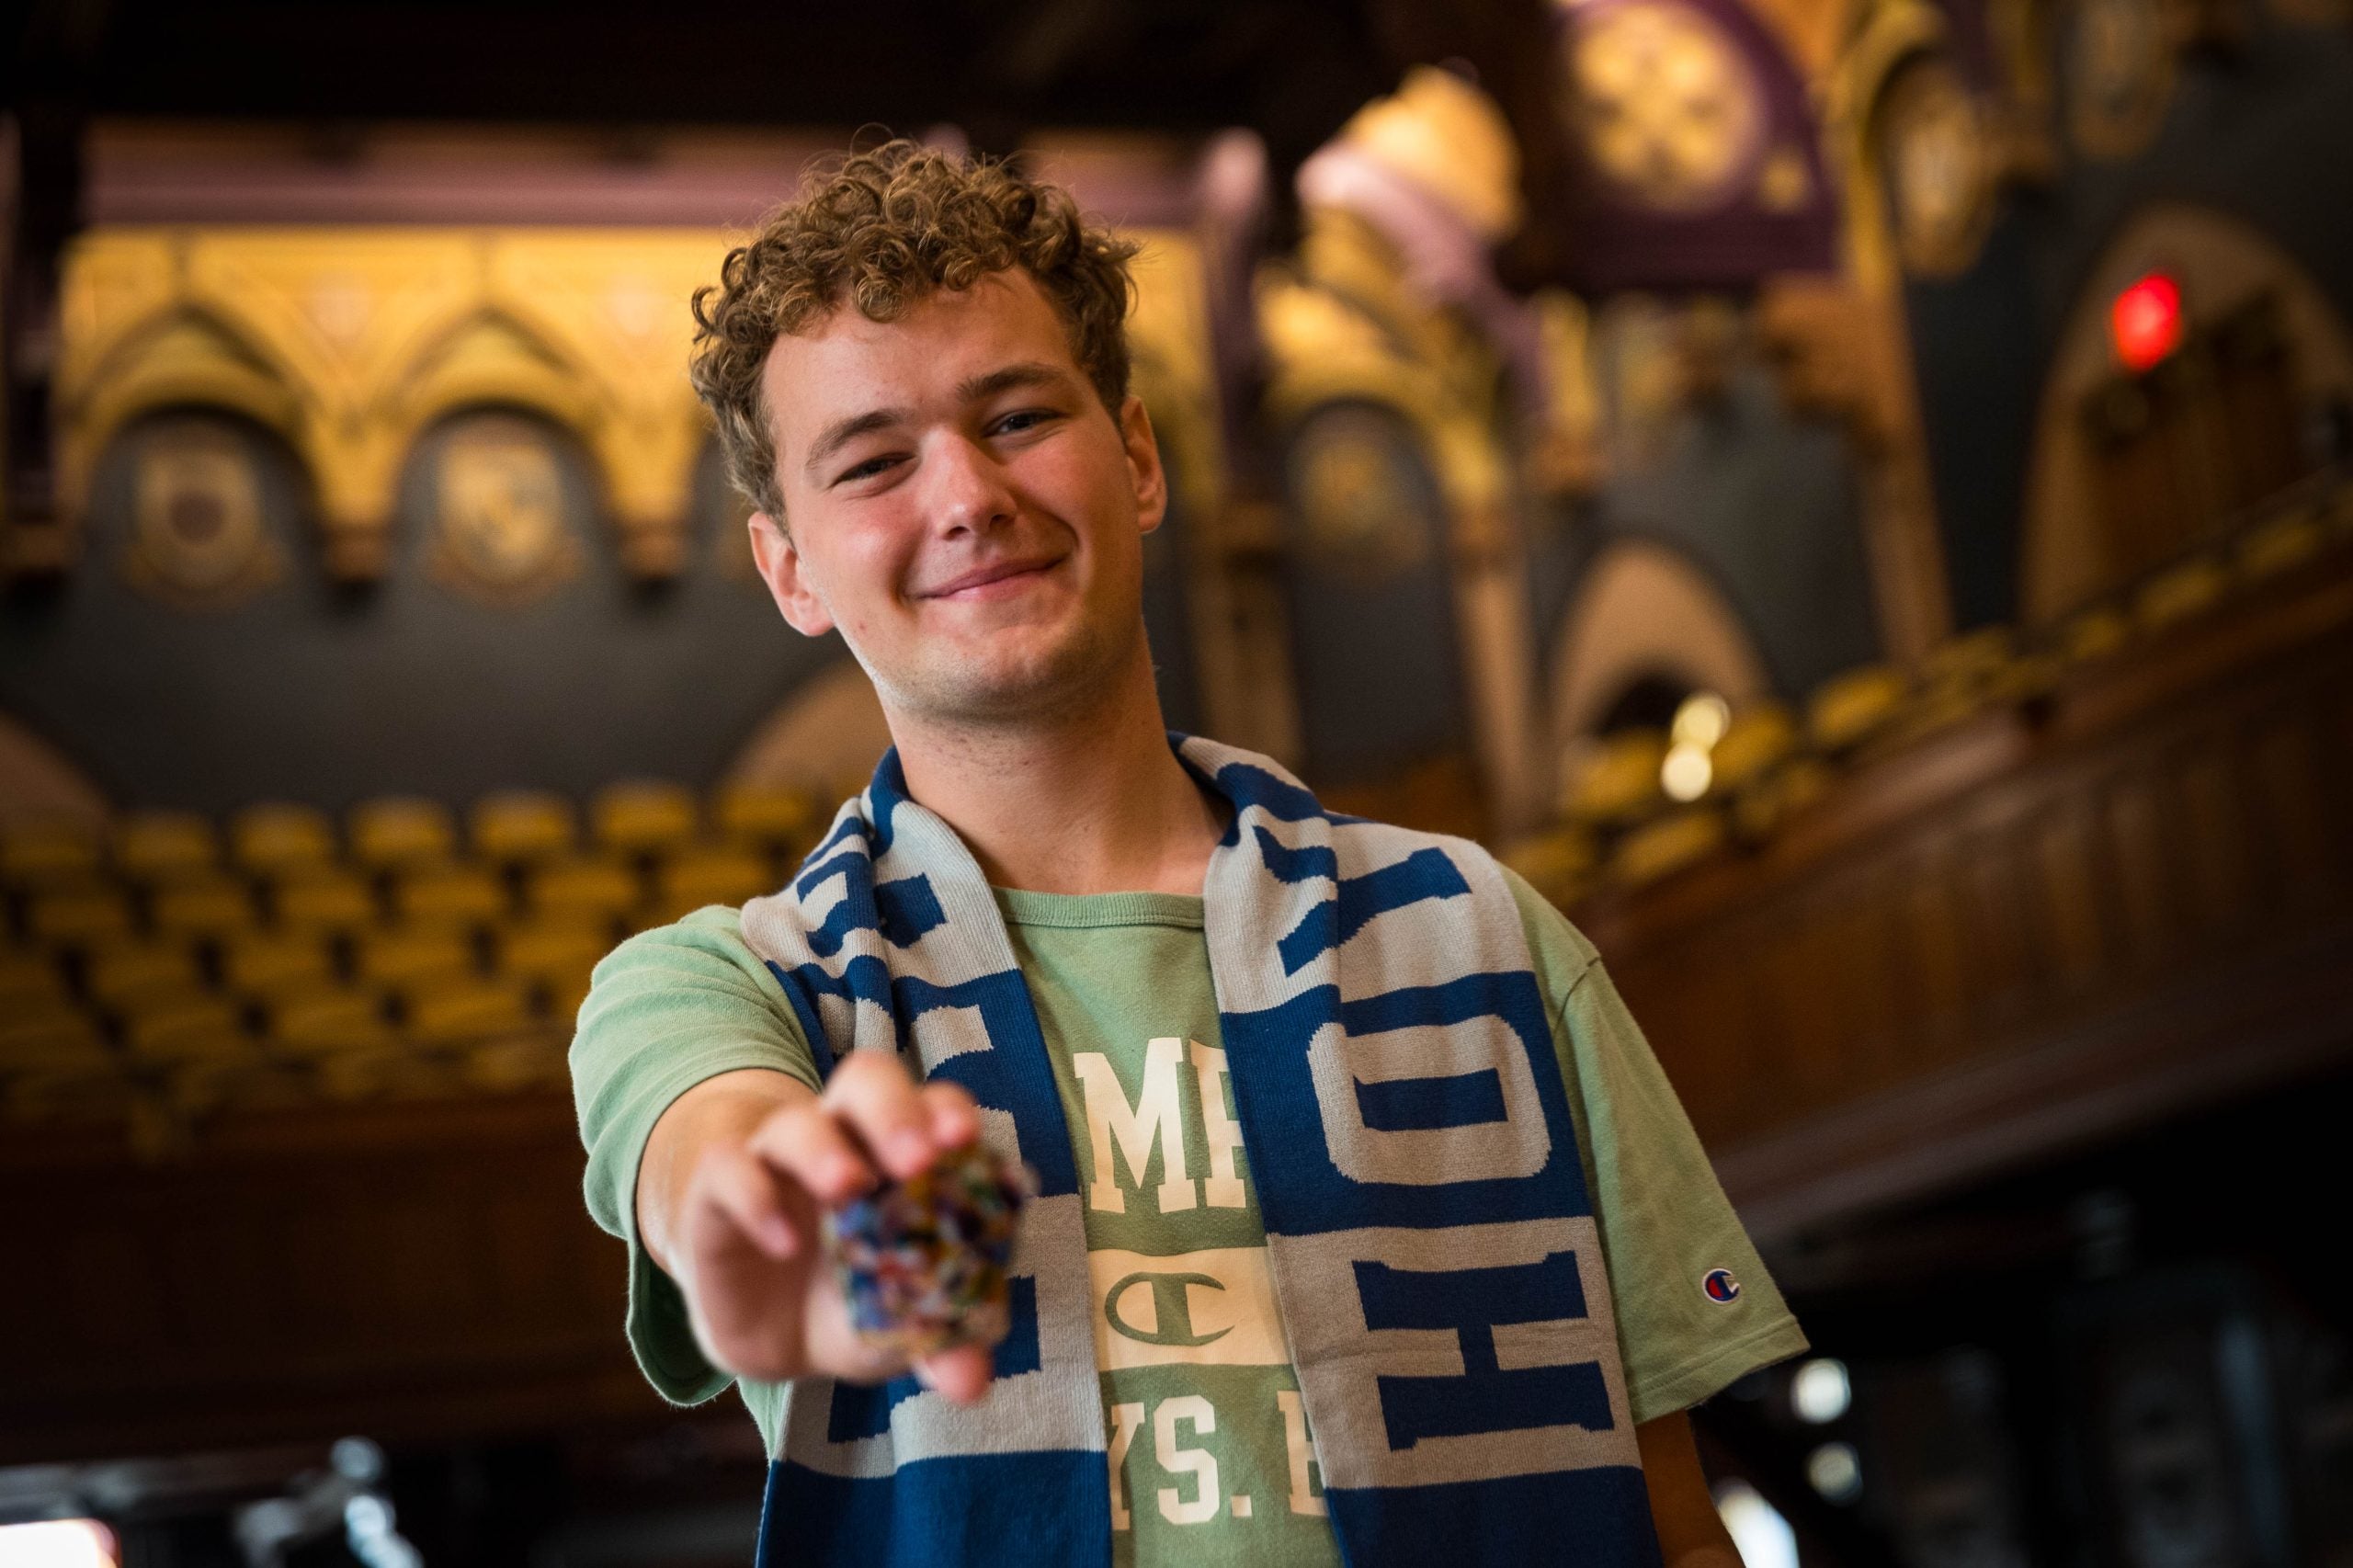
column 1691, row 1534
column 729, row 1192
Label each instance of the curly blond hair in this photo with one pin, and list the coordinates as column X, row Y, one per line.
column 883, row 230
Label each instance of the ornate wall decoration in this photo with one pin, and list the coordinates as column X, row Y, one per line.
column 350, row 342
column 1639, row 370
column 1357, row 505
column 499, row 530
column 1391, row 319
column 1783, row 182
column 1380, row 613
column 1700, row 146
column 1937, row 153
column 1566, row 458
column 2120, row 74
column 197, row 536
column 1668, row 106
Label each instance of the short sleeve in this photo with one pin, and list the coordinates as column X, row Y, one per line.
column 1696, row 1309
column 665, row 1010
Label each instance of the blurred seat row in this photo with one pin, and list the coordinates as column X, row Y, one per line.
column 280, row 953
column 1629, row 810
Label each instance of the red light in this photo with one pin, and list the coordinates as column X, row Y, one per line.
column 2145, row 321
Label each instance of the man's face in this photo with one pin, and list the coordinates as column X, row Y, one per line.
column 961, row 504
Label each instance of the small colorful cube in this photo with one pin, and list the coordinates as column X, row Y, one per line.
column 923, row 1261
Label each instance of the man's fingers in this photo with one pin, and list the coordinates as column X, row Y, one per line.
column 746, row 1191
column 961, row 1373
column 872, row 1121
column 955, row 1120
column 874, row 1095
column 804, row 1142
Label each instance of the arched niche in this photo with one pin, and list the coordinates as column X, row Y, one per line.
column 489, row 358
column 184, row 357
column 498, row 505
column 1643, row 616
column 1371, row 598
column 2081, row 533
column 40, row 783
column 476, row 366
column 198, row 507
column 826, row 737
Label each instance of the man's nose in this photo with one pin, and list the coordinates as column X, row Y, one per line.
column 967, row 489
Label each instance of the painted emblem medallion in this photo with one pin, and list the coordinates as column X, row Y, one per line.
column 1935, row 148
column 1358, row 497
column 2119, row 72
column 500, row 534
column 1668, row 106
column 197, row 538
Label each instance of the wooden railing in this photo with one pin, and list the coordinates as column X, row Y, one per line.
column 2089, row 911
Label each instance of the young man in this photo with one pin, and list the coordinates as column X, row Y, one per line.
column 1367, row 1228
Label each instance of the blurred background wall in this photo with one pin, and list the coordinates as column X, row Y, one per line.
column 1853, row 498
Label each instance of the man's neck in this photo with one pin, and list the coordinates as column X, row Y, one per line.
column 1092, row 800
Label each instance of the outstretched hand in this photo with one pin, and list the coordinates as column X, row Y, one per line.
column 747, row 1251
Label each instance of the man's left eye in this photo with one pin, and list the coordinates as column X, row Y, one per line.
column 1027, row 419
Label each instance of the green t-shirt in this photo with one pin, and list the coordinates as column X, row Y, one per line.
column 1210, row 1456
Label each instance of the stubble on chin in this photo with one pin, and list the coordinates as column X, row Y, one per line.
column 1068, row 680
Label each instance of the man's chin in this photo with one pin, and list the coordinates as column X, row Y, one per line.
column 1008, row 690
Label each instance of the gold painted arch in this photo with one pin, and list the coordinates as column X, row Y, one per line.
column 2220, row 261
column 180, row 356
column 1645, row 610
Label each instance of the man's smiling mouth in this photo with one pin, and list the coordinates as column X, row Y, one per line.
column 997, row 577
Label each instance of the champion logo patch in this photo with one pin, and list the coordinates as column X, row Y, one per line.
column 1721, row 1287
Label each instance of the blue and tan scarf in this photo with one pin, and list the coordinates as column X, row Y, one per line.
column 1430, row 1236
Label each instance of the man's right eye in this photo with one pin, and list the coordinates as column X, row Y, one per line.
column 866, row 469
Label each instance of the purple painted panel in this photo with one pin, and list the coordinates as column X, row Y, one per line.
column 1764, row 205
column 1970, row 39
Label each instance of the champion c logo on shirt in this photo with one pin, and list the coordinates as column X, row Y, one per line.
column 1721, row 1287
column 1171, row 1307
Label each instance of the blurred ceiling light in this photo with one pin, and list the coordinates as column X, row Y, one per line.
column 2144, row 323
column 1686, row 773
column 1756, row 1528
column 1820, row 1392
column 1700, row 721
column 1834, row 1472
column 57, row 1543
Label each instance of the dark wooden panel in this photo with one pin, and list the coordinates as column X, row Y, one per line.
column 425, row 1268
column 2066, row 891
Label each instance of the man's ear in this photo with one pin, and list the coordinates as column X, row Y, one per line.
column 782, row 569
column 1144, row 468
